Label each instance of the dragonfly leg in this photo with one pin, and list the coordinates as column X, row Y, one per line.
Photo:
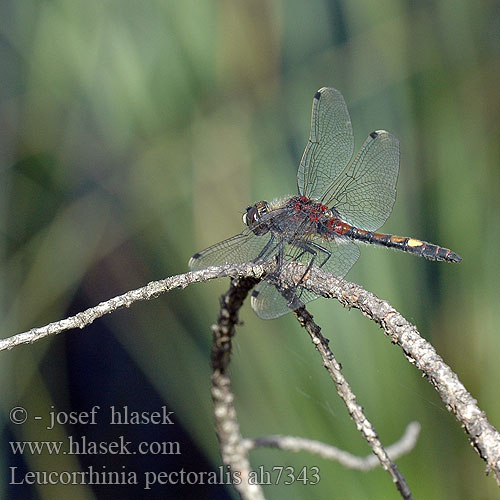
column 266, row 248
column 312, row 248
column 281, row 251
column 323, row 250
column 306, row 248
column 317, row 247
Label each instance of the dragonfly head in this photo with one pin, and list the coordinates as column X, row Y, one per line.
column 254, row 214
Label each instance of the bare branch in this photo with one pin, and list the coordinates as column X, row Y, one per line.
column 234, row 454
column 233, row 449
column 151, row 291
column 482, row 435
column 291, row 443
column 345, row 392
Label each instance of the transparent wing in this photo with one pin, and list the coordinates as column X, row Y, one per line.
column 244, row 247
column 268, row 302
column 330, row 145
column 365, row 193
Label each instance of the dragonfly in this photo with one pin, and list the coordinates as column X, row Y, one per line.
column 342, row 200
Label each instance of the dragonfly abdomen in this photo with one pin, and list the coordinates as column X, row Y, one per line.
column 406, row 244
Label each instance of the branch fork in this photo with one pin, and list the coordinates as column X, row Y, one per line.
column 483, row 436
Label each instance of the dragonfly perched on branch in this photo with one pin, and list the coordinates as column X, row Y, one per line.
column 342, row 201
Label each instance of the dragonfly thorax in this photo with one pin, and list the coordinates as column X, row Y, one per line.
column 293, row 216
column 313, row 210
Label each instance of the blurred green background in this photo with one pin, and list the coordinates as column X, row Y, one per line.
column 133, row 134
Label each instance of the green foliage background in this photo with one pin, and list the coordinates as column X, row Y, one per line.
column 133, row 134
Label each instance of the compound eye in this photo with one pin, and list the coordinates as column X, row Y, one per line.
column 245, row 216
column 251, row 216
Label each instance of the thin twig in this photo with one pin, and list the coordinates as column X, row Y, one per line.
column 291, row 443
column 345, row 392
column 234, row 454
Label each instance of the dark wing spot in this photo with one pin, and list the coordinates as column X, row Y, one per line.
column 373, row 135
column 317, row 95
column 196, row 256
column 255, row 293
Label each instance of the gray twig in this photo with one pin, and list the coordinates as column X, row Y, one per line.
column 291, row 443
column 355, row 410
column 234, row 454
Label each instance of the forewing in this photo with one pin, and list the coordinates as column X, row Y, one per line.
column 244, row 247
column 330, row 145
column 267, row 300
column 364, row 195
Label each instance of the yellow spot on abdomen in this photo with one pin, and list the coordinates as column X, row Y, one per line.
column 398, row 239
column 414, row 243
